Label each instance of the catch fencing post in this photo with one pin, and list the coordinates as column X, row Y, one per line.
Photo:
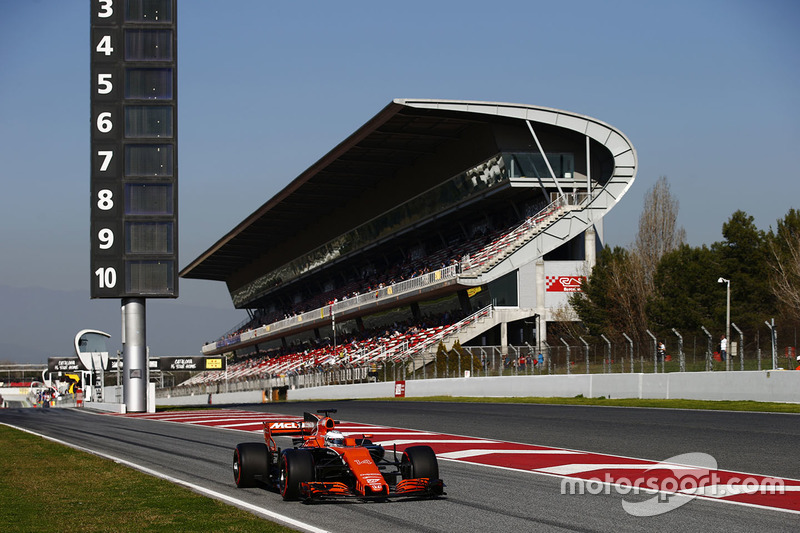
column 741, row 346
column 630, row 341
column 549, row 357
column 568, row 353
column 708, row 349
column 586, row 348
column 680, row 350
column 655, row 351
column 774, row 336
column 471, row 364
column 607, row 360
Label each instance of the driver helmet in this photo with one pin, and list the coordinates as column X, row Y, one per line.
column 334, row 438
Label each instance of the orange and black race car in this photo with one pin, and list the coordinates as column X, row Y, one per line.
column 325, row 464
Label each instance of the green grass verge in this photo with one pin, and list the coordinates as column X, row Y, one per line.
column 45, row 486
column 723, row 405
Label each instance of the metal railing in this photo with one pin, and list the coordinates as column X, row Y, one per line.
column 684, row 353
column 328, row 312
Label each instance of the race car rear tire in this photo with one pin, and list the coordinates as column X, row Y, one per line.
column 419, row 462
column 296, row 467
column 250, row 459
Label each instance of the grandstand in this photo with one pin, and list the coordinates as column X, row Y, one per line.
column 436, row 220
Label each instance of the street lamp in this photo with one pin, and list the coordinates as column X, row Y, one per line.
column 727, row 321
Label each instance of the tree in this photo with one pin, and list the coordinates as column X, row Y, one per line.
column 784, row 263
column 616, row 294
column 610, row 299
column 658, row 233
column 686, row 291
column 742, row 258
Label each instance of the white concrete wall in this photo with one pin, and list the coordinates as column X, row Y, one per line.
column 764, row 386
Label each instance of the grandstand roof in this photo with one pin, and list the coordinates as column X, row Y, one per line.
column 393, row 139
column 398, row 136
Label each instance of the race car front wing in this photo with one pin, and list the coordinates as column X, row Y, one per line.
column 420, row 487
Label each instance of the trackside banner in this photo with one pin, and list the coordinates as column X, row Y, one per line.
column 192, row 364
column 564, row 283
column 64, row 364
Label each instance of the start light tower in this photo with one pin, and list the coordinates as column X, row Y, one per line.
column 134, row 168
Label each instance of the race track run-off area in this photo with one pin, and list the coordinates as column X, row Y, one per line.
column 659, row 486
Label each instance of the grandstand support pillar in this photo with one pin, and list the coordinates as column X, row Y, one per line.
column 463, row 299
column 590, row 246
column 504, row 337
column 541, row 327
column 134, row 355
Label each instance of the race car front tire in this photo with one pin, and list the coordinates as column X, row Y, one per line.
column 250, row 459
column 296, row 467
column 419, row 462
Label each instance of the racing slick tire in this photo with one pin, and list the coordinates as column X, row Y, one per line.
column 250, row 459
column 419, row 462
column 296, row 467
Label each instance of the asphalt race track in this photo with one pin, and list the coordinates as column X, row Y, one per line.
column 479, row 498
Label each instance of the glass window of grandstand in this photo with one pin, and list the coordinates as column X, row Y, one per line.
column 504, row 291
column 149, row 237
column 148, row 10
column 148, row 121
column 148, row 199
column 148, row 160
column 148, row 84
column 148, row 45
column 533, row 165
column 149, row 277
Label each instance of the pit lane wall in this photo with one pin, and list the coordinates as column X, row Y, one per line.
column 760, row 386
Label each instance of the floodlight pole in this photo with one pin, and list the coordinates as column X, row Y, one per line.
column 727, row 282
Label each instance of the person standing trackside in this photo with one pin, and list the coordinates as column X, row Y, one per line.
column 723, row 347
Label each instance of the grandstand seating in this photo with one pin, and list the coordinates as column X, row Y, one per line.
column 395, row 346
column 472, row 255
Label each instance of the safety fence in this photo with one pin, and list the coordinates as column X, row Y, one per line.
column 574, row 356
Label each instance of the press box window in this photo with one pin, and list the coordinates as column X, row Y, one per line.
column 149, row 277
column 148, row 10
column 148, row 237
column 148, row 84
column 148, row 121
column 149, row 199
column 148, row 160
column 148, row 45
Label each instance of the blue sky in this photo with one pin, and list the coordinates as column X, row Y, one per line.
column 707, row 91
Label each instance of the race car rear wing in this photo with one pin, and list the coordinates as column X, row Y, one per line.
column 311, row 425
